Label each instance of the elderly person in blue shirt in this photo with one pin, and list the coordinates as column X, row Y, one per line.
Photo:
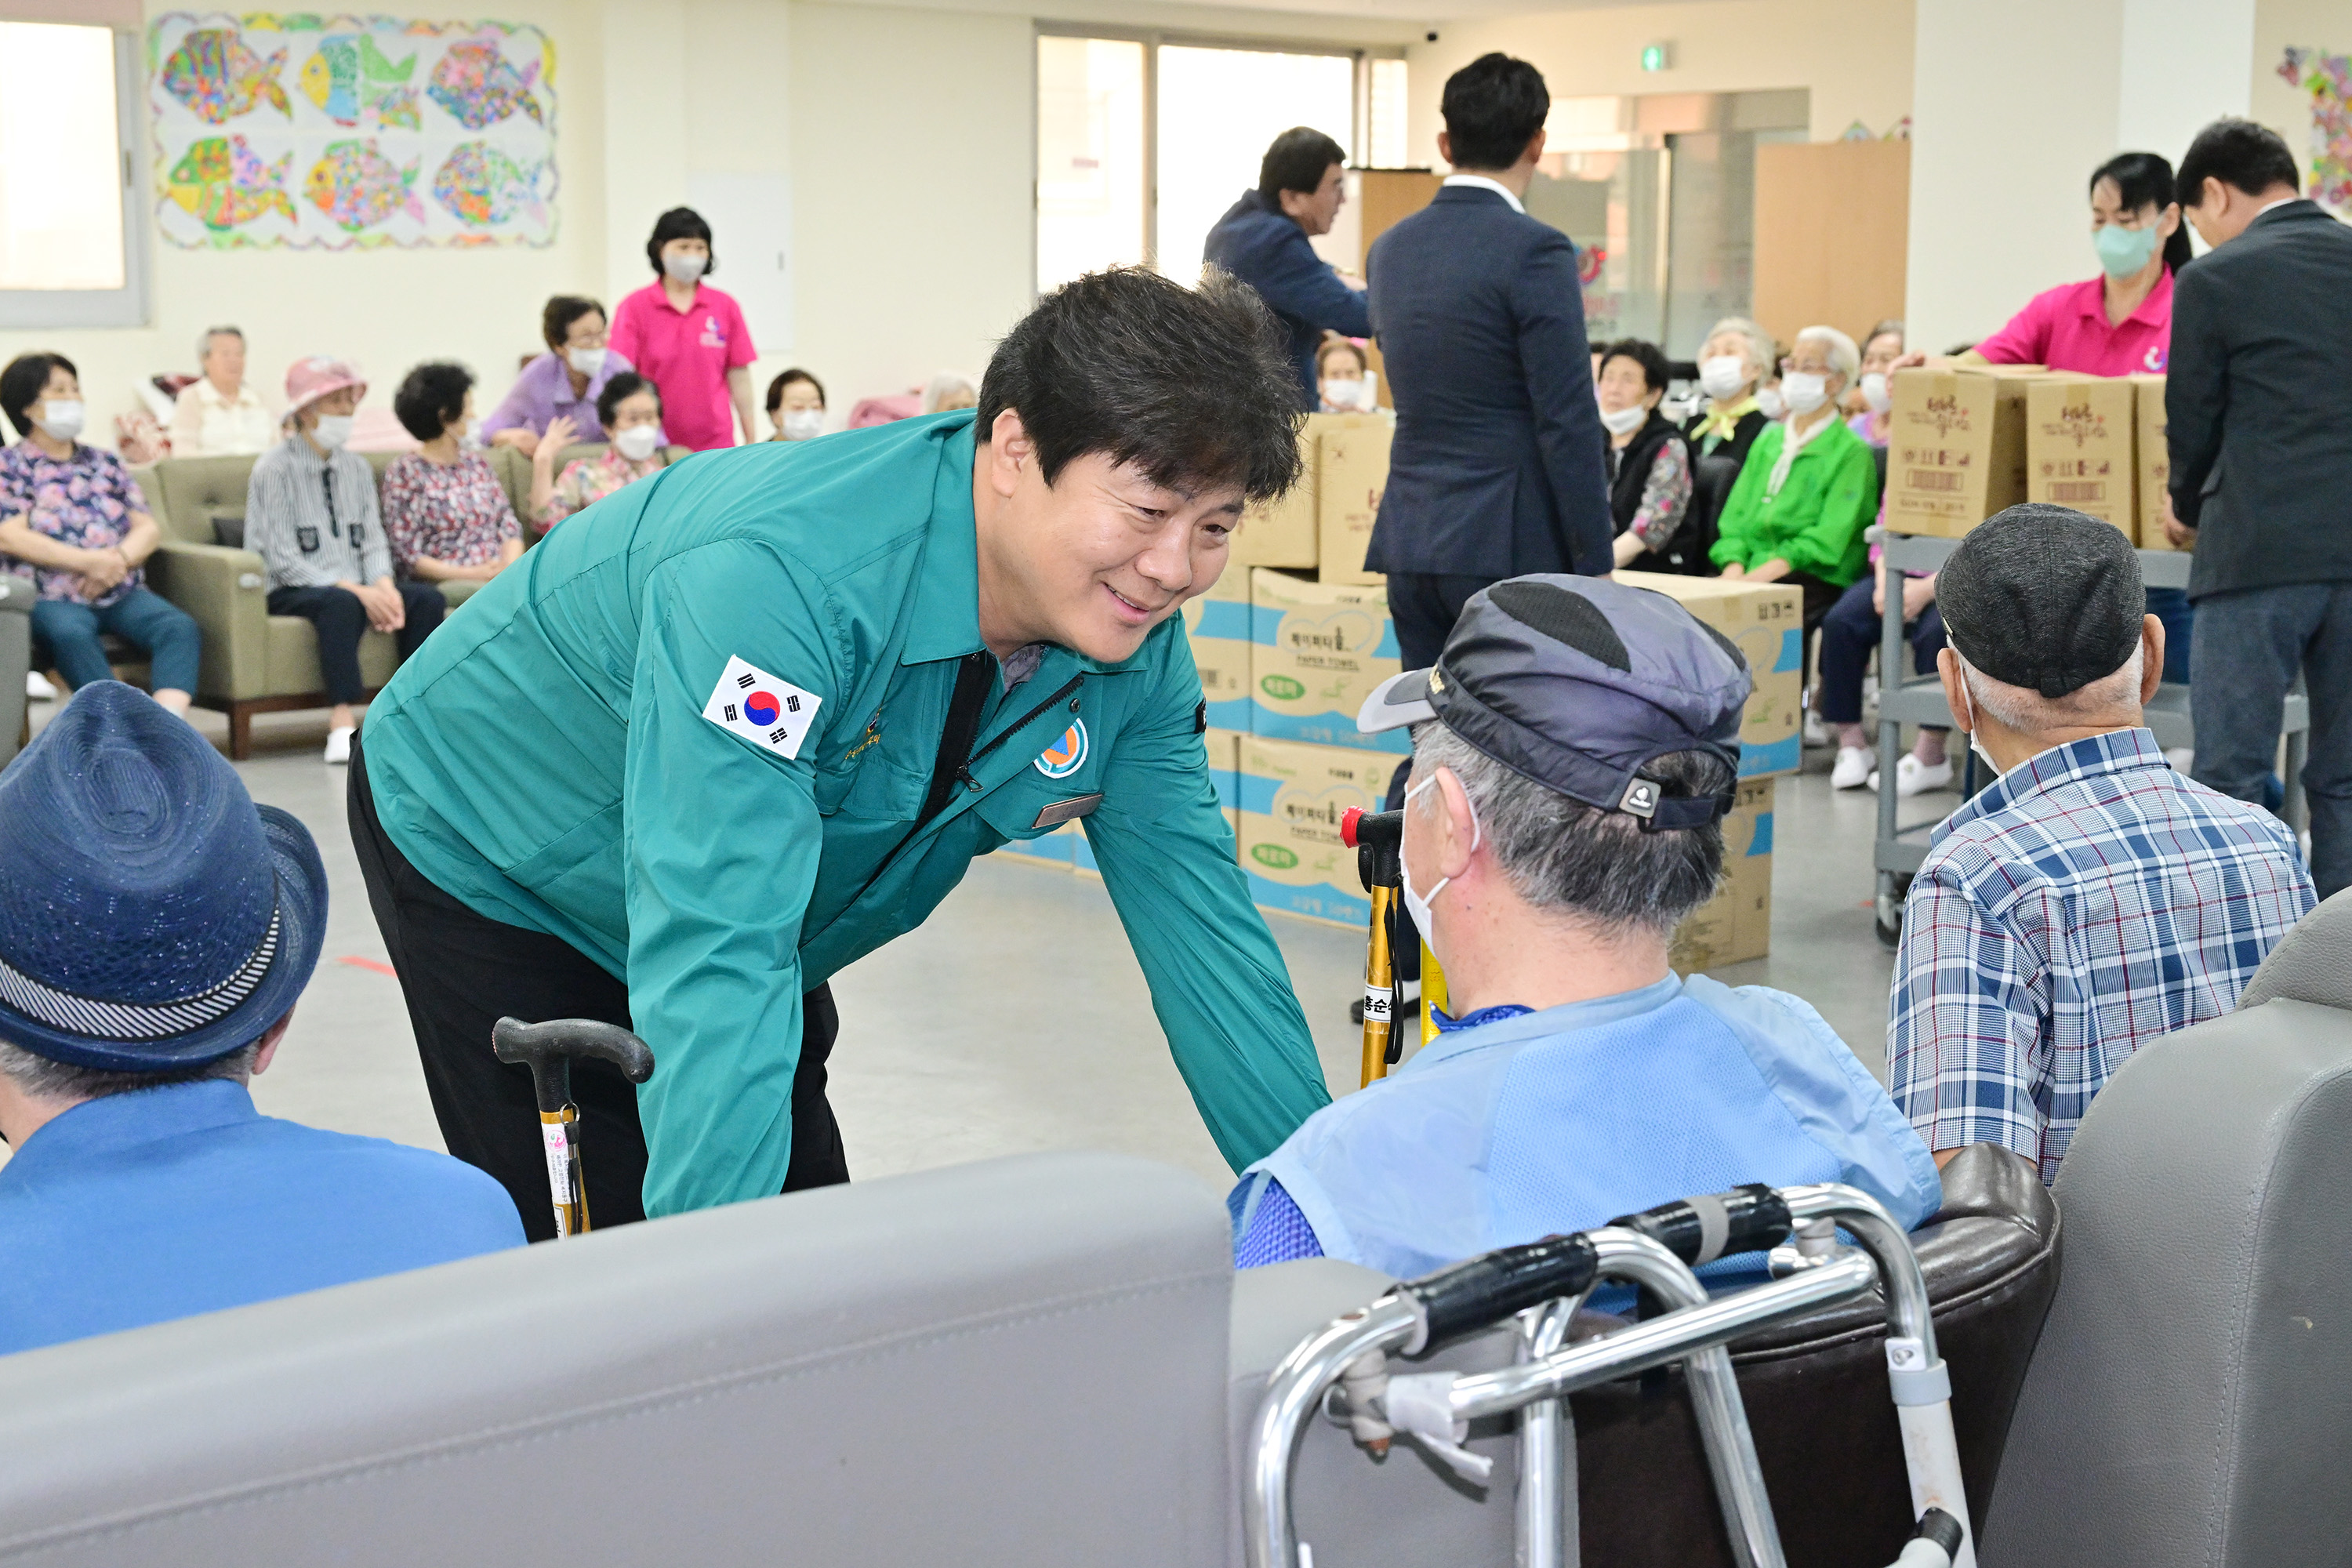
column 1263, row 240
column 2092, row 898
column 155, row 929
column 1574, row 753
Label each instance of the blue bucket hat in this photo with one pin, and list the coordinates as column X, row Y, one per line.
column 1580, row 684
column 151, row 917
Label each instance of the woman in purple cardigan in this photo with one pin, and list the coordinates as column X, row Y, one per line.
column 563, row 383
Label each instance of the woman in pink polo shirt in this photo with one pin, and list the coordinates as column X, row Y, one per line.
column 689, row 339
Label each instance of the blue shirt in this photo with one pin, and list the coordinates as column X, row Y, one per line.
column 1267, row 249
column 1561, row 1119
column 2088, row 901
column 138, row 1208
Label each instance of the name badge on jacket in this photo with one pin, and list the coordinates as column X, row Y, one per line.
column 1068, row 810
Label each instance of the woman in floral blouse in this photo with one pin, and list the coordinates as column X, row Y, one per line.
column 445, row 512
column 630, row 410
column 72, row 520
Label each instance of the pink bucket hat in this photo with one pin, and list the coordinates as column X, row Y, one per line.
column 308, row 380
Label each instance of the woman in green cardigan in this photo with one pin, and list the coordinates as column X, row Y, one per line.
column 1808, row 488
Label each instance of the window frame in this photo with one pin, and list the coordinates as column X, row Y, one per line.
column 1153, row 40
column 66, row 309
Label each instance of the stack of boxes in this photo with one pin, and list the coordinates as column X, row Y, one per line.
column 1296, row 636
column 1966, row 441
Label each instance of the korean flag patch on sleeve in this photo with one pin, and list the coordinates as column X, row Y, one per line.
column 768, row 712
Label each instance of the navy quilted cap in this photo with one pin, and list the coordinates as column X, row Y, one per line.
column 150, row 916
column 1578, row 684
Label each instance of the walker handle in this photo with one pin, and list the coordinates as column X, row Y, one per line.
column 1489, row 1287
column 1750, row 1219
column 1381, row 829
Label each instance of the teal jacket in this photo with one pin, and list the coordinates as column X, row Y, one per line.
column 1816, row 521
column 545, row 758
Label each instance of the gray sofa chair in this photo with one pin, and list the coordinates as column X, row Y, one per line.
column 2191, row 1400
column 15, row 659
column 1015, row 1364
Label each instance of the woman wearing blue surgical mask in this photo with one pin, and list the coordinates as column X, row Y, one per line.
column 2118, row 323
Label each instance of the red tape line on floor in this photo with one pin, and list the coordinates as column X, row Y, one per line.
column 375, row 963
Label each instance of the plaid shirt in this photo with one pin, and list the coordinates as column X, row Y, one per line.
column 2091, row 900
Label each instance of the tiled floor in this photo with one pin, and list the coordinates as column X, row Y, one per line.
column 1016, row 1019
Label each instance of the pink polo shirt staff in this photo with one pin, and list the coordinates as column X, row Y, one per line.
column 2066, row 328
column 686, row 354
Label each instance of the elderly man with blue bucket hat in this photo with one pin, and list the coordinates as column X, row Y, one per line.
column 1575, row 750
column 156, row 931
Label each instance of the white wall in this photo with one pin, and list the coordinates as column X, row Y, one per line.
column 1853, row 55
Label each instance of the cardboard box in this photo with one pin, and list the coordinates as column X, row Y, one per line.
column 1292, row 798
column 1318, row 649
column 1767, row 621
column 2155, row 460
column 1351, row 468
column 2079, row 446
column 1735, row 925
column 1217, row 624
column 1956, row 446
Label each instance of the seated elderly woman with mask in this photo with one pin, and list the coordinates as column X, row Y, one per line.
column 1810, row 486
column 1574, row 754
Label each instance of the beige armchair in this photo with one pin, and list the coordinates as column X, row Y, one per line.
column 255, row 662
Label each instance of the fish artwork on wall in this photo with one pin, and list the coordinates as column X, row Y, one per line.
column 315, row 130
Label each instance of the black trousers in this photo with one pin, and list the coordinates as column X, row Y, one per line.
column 1424, row 606
column 341, row 620
column 461, row 972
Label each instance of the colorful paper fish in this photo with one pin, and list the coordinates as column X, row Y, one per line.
column 349, row 77
column 359, row 187
column 220, row 79
column 477, row 84
column 224, row 184
column 481, row 186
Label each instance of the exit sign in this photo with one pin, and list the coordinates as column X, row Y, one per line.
column 1657, row 58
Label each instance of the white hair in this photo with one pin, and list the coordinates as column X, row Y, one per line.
column 1761, row 347
column 1845, row 358
column 944, row 385
column 204, row 344
column 2029, row 713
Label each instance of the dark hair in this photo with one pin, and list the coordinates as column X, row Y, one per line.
column 1330, row 346
column 555, row 321
column 619, row 390
column 776, row 387
column 21, row 384
column 680, row 223
column 1493, row 106
column 1298, row 161
column 1194, row 386
column 2237, row 152
column 430, row 397
column 1655, row 372
column 2145, row 180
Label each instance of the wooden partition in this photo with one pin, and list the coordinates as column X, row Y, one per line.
column 1389, row 196
column 1832, row 234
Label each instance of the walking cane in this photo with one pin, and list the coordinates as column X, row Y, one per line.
column 548, row 1049
column 1378, row 839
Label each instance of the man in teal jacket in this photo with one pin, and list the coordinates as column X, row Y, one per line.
column 738, row 725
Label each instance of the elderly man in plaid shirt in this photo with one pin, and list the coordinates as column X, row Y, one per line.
column 2091, row 898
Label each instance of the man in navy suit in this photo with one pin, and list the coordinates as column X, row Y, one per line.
column 1498, row 468
column 1263, row 239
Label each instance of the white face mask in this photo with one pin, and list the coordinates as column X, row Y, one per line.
column 334, row 430
column 1804, row 390
column 1875, row 392
column 1968, row 701
column 1767, row 400
column 587, row 362
column 686, row 268
column 61, row 418
column 637, row 442
column 1415, row 902
column 1344, row 392
column 1621, row 421
column 473, row 432
column 1722, row 377
column 804, row 424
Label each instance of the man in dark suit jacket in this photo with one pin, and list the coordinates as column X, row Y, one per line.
column 1497, row 467
column 1263, row 239
column 2260, row 430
